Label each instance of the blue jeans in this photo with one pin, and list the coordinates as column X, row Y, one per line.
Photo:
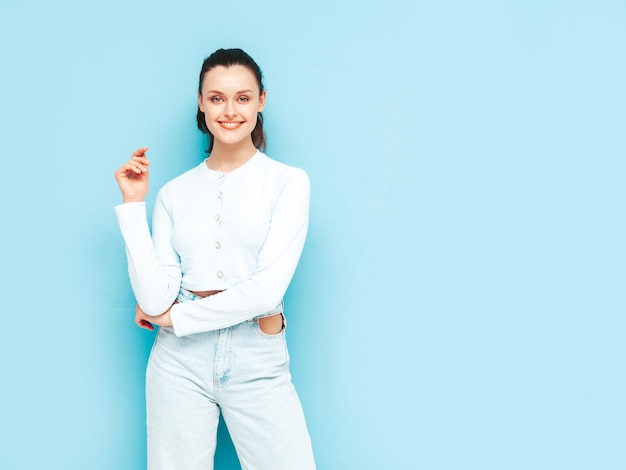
column 239, row 371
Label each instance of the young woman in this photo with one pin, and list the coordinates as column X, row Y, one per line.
column 226, row 238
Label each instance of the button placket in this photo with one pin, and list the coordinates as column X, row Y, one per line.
column 218, row 219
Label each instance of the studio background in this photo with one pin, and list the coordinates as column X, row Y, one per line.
column 460, row 302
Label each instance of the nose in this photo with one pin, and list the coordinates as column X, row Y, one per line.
column 230, row 110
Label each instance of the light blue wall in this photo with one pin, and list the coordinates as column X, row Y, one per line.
column 460, row 303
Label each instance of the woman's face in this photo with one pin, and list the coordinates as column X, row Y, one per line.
column 230, row 101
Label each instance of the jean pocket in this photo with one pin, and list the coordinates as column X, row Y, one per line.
column 271, row 325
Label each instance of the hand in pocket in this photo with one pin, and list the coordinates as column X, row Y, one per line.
column 271, row 325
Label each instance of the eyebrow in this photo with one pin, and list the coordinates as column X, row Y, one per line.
column 237, row 93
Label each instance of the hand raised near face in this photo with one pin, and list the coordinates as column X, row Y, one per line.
column 132, row 177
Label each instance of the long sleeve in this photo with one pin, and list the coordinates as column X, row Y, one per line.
column 153, row 265
column 277, row 259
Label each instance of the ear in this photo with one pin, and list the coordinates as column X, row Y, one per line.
column 200, row 102
column 262, row 101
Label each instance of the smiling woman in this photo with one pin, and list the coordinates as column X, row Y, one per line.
column 227, row 236
column 231, row 82
column 230, row 101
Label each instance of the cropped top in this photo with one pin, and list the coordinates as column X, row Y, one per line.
column 240, row 232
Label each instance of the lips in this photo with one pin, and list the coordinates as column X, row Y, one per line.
column 230, row 125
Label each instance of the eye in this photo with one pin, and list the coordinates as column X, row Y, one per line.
column 215, row 99
column 244, row 99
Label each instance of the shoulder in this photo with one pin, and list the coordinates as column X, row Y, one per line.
column 280, row 171
column 282, row 182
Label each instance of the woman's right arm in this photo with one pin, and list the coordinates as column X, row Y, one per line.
column 153, row 265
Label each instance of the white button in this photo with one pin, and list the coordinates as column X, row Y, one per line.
column 217, row 217
column 220, row 275
column 217, row 245
column 219, row 194
column 222, row 175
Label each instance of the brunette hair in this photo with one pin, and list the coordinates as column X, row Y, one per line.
column 228, row 58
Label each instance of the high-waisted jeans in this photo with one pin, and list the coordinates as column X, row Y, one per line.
column 239, row 371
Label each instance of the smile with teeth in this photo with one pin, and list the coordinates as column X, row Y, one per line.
column 230, row 124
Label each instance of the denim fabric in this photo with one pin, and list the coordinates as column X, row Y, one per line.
column 239, row 371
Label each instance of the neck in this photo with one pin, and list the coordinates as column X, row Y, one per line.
column 227, row 158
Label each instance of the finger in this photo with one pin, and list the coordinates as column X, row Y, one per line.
column 141, row 159
column 146, row 325
column 140, row 319
column 140, row 152
column 130, row 167
column 138, row 166
column 133, row 167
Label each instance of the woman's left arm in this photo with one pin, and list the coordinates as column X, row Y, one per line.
column 265, row 288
